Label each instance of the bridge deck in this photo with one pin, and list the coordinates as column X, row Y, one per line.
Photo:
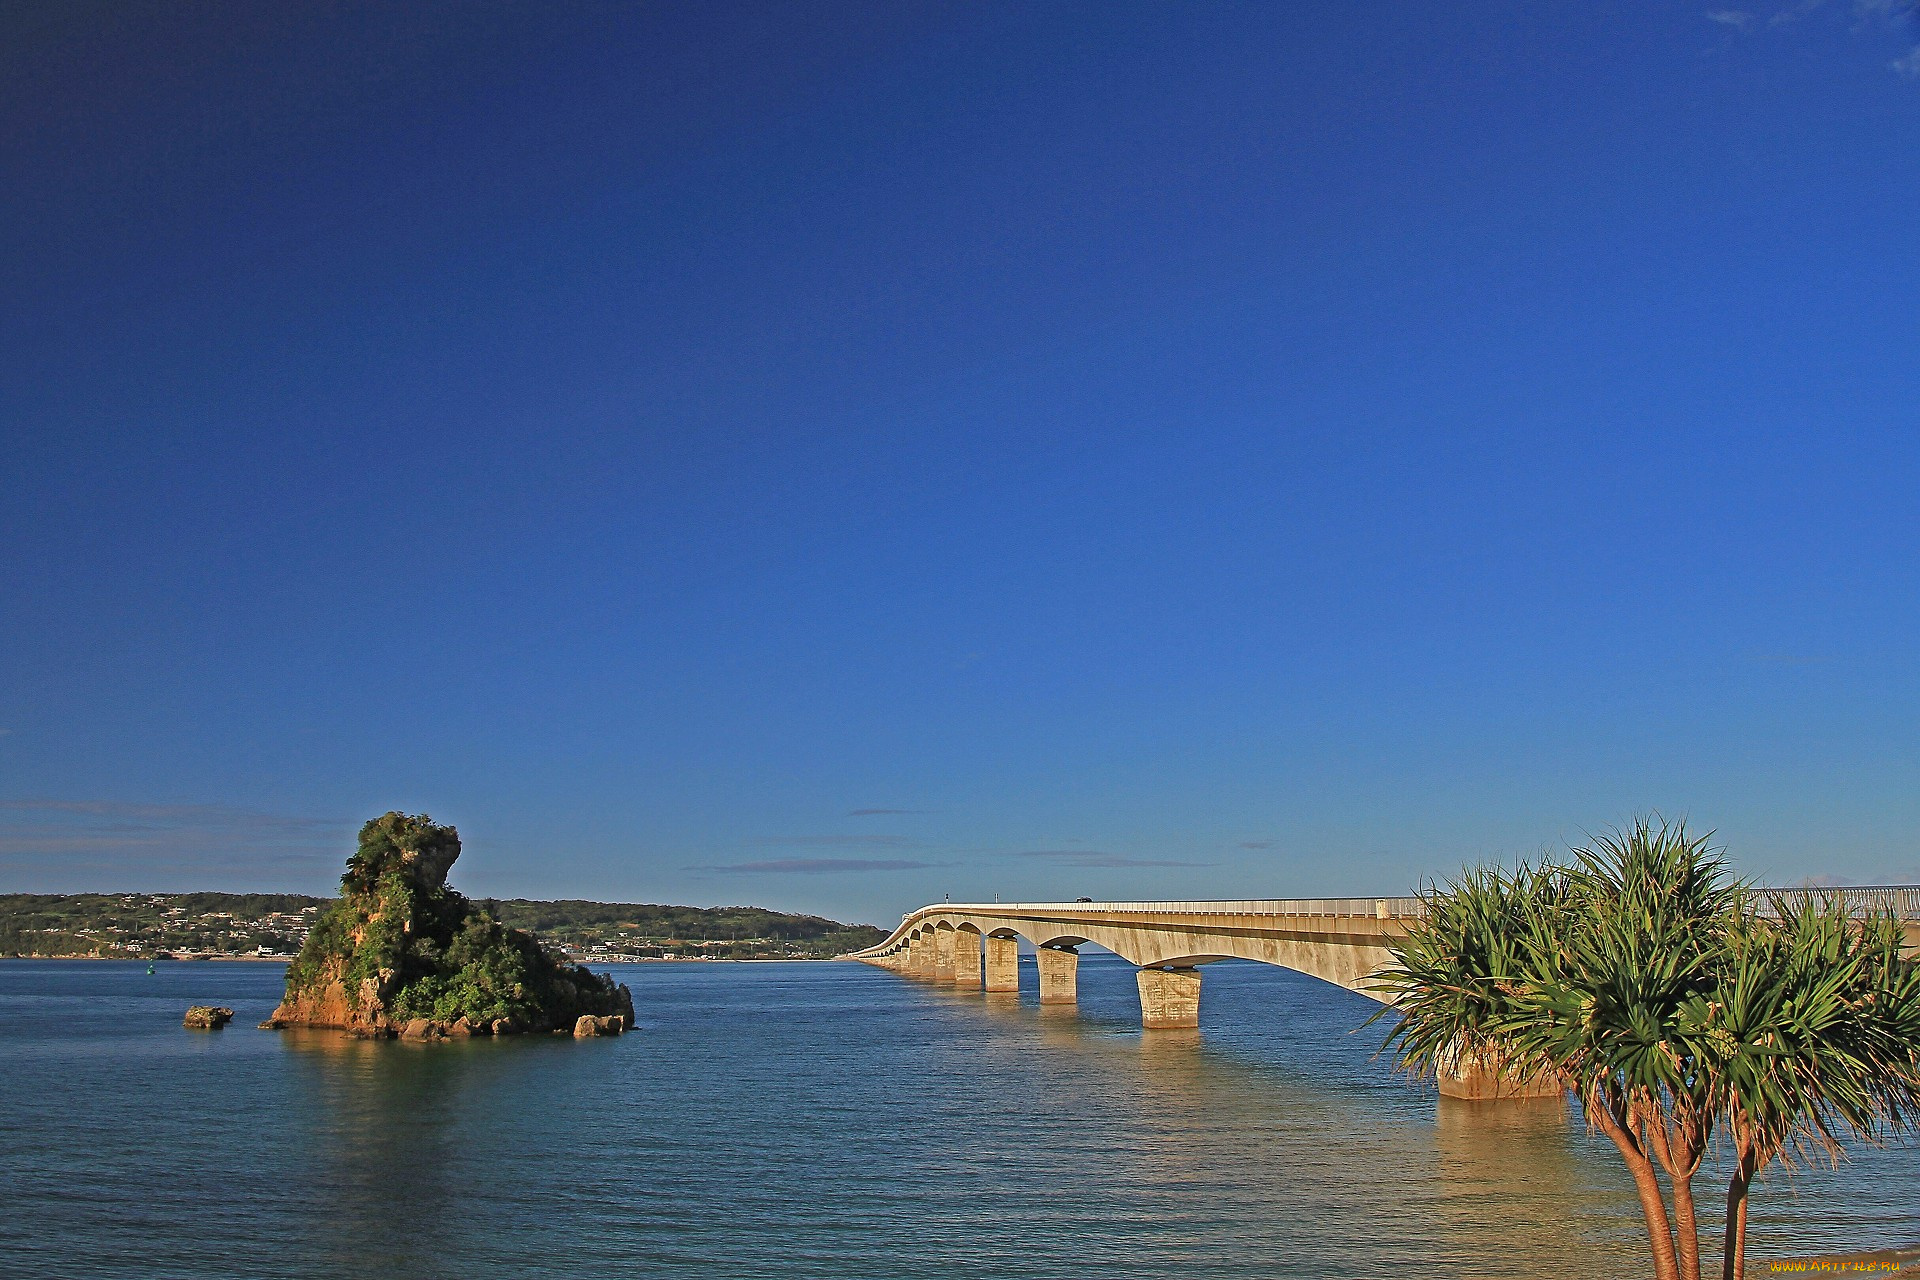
column 1342, row 940
column 1345, row 941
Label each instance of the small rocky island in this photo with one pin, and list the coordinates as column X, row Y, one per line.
column 403, row 953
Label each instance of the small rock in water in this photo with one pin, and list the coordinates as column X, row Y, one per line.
column 424, row 1029
column 588, row 1024
column 207, row 1017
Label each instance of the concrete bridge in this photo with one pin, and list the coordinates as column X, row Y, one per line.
column 975, row 946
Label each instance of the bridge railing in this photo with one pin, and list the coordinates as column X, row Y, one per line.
column 1371, row 908
column 1902, row 899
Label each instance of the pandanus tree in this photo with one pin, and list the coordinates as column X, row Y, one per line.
column 1815, row 1030
column 1585, row 972
column 1640, row 976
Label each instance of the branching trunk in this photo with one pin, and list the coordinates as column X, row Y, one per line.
column 1746, row 1166
column 1612, row 1120
column 1686, row 1226
column 1736, row 1257
column 1680, row 1149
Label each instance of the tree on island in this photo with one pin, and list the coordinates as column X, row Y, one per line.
column 1668, row 1003
column 403, row 950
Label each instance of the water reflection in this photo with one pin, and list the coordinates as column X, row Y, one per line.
column 393, row 1140
column 1522, row 1173
column 1218, row 1138
column 812, row 1122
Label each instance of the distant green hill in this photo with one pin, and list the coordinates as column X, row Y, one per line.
column 645, row 928
column 137, row 925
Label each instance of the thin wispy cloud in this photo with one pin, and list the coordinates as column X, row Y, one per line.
column 1879, row 14
column 1257, row 844
column 1099, row 858
column 834, row 842
column 170, row 814
column 1863, row 10
column 819, row 866
column 107, row 843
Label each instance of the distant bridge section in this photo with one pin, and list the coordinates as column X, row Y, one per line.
column 1345, row 941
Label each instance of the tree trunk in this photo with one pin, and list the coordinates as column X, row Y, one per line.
column 1747, row 1162
column 1686, row 1226
column 1653, row 1206
column 1680, row 1151
column 1736, row 1256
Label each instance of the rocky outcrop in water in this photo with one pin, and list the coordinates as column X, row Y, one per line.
column 403, row 952
column 207, row 1017
column 588, row 1025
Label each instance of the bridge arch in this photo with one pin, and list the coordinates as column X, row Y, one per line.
column 1340, row 941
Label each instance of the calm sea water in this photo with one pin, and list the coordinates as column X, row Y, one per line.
column 803, row 1120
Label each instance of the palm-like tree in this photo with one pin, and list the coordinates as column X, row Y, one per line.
column 1648, row 983
column 1814, row 1029
column 1609, row 973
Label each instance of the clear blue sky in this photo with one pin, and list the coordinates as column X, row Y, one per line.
column 837, row 456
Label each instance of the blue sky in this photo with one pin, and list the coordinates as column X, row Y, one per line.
column 837, row 456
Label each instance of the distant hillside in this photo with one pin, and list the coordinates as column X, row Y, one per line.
column 582, row 925
column 143, row 925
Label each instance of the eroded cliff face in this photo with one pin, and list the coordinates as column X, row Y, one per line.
column 403, row 950
column 321, row 1001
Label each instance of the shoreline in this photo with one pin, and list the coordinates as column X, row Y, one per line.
column 290, row 959
column 161, row 959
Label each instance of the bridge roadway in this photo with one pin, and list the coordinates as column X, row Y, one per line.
column 1344, row 941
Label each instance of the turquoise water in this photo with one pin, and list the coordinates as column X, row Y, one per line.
column 803, row 1120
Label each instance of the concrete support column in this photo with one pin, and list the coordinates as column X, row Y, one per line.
column 1169, row 998
column 1059, row 975
column 966, row 959
column 1003, row 964
column 943, row 955
column 919, row 961
column 1476, row 1082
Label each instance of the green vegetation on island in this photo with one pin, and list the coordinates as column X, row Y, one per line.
column 1674, row 1007
column 718, row 933
column 144, row 926
column 403, row 950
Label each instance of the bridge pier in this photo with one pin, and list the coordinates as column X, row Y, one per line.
column 1169, row 998
column 1059, row 975
column 1474, row 1081
column 943, row 955
column 966, row 959
column 1003, row 963
column 920, row 955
